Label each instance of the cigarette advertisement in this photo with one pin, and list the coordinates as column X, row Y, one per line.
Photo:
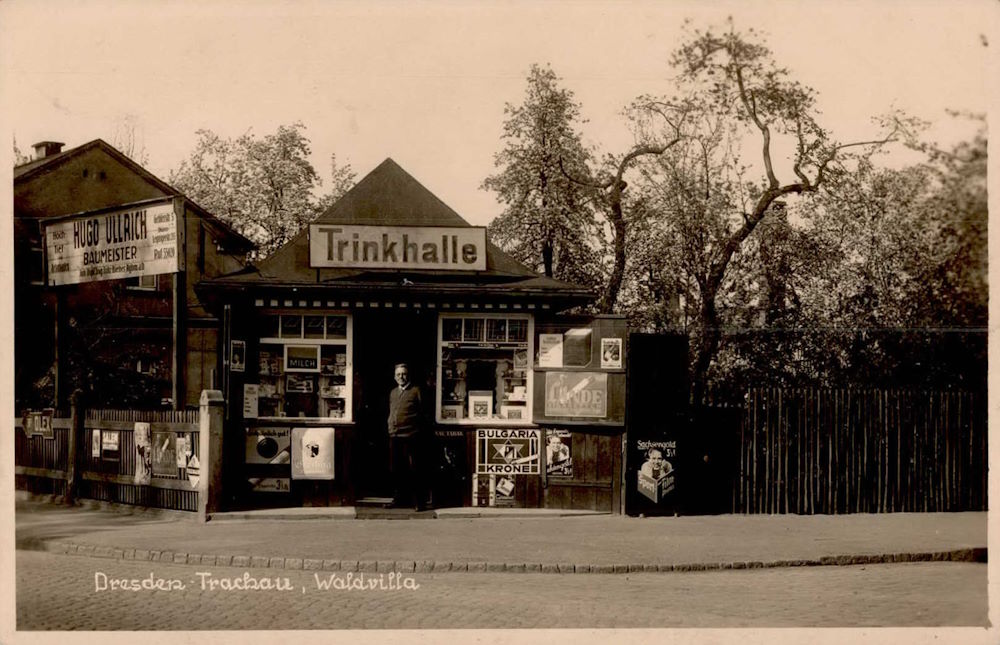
column 507, row 452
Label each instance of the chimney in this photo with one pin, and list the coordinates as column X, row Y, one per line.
column 45, row 149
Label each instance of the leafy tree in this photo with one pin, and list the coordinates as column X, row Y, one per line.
column 548, row 222
column 731, row 79
column 263, row 187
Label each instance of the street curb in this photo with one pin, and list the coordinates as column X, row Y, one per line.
column 244, row 561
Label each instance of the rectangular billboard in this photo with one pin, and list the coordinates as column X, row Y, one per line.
column 398, row 247
column 129, row 242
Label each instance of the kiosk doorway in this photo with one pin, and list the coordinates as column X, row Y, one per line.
column 383, row 339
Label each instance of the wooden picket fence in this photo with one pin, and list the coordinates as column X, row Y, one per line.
column 862, row 451
column 75, row 462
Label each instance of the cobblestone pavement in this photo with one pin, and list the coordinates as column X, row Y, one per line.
column 58, row 592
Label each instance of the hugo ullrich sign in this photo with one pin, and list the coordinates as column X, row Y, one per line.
column 398, row 247
column 138, row 240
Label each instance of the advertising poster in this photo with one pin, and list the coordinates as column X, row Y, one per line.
column 507, row 452
column 95, row 444
column 164, row 454
column 611, row 353
column 181, row 450
column 484, row 490
column 268, row 446
column 576, row 394
column 504, row 491
column 550, row 350
column 237, row 356
column 558, row 453
column 43, row 424
column 109, row 444
column 251, row 400
column 143, row 454
column 194, row 471
column 655, row 478
column 312, row 453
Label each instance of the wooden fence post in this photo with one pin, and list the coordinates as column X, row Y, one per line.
column 77, row 413
column 210, row 448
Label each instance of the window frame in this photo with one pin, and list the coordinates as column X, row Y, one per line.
column 284, row 341
column 138, row 286
column 529, row 369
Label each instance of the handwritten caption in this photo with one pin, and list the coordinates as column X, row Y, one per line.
column 205, row 581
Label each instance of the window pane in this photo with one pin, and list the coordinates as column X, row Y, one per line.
column 291, row 326
column 315, row 326
column 473, row 330
column 336, row 326
column 496, row 330
column 267, row 327
column 517, row 330
column 451, row 329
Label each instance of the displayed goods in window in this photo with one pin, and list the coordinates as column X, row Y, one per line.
column 484, row 368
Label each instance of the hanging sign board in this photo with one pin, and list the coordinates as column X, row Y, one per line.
column 134, row 241
column 312, row 453
column 507, row 452
column 398, row 247
column 576, row 394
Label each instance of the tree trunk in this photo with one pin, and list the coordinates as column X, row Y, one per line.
column 610, row 298
column 547, row 253
column 708, row 342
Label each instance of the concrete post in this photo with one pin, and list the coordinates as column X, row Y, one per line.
column 74, row 437
column 210, row 449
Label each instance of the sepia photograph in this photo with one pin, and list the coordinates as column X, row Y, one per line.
column 497, row 321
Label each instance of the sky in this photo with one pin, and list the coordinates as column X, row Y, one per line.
column 425, row 83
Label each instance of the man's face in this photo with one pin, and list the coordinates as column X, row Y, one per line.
column 656, row 459
column 402, row 376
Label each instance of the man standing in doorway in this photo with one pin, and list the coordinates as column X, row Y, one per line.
column 406, row 439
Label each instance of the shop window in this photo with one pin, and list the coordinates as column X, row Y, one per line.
column 485, row 372
column 304, row 366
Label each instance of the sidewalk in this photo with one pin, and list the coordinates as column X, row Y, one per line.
column 546, row 543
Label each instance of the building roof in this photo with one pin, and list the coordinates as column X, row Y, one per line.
column 39, row 167
column 389, row 196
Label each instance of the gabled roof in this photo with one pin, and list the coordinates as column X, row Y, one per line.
column 389, row 196
column 40, row 167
